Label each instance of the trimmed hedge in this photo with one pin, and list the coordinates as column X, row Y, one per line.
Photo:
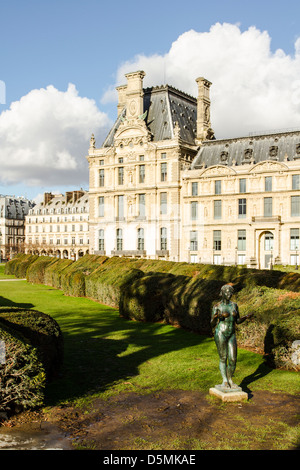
column 22, row 375
column 181, row 294
column 42, row 331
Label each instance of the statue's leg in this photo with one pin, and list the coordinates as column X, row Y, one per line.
column 221, row 343
column 232, row 357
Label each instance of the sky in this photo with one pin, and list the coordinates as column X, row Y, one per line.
column 60, row 62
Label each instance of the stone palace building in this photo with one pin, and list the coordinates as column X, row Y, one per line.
column 13, row 211
column 59, row 225
column 163, row 187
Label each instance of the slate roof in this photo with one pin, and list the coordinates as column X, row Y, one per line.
column 165, row 106
column 251, row 149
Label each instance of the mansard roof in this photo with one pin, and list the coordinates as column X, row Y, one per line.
column 281, row 146
column 164, row 106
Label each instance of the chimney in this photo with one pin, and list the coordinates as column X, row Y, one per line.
column 122, row 97
column 47, row 198
column 204, row 130
column 135, row 94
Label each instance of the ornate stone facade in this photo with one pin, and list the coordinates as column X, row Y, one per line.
column 162, row 186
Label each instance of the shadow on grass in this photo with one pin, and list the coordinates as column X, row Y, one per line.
column 94, row 362
column 9, row 303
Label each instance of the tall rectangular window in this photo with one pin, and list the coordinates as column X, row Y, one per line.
column 121, row 175
column 119, row 239
column 101, row 240
column 242, row 185
column 163, row 238
column 101, row 177
column 194, row 210
column 217, row 240
column 218, row 209
column 296, row 182
column 101, row 206
column 268, row 204
column 142, row 205
column 163, row 203
column 294, row 239
column 141, row 239
column 193, row 240
column 163, row 171
column 218, row 187
column 242, row 208
column 268, row 183
column 120, row 207
column 194, row 189
column 295, row 206
column 142, row 173
column 241, row 245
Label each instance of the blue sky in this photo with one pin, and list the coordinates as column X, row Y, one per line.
column 89, row 44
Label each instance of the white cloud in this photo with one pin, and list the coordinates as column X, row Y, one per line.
column 254, row 89
column 44, row 138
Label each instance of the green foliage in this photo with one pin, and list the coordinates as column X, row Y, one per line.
column 22, row 376
column 177, row 293
column 41, row 330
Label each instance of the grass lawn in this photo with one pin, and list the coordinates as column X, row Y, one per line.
column 106, row 354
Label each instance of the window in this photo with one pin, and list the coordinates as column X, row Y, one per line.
column 101, row 206
column 194, row 189
column 268, row 206
column 142, row 173
column 193, row 240
column 294, row 237
column 141, row 158
column 217, row 240
column 119, row 239
column 241, row 259
column 242, row 185
column 217, row 209
column 295, row 206
column 101, row 177
column 142, row 207
column 121, row 175
column 163, row 203
column 268, row 183
column 120, row 207
column 269, row 241
column 120, row 160
column 296, row 182
column 217, row 259
column 163, row 156
column 194, row 210
column 101, row 240
column 242, row 208
column 101, row 162
column 141, row 240
column 163, row 238
column 218, row 187
column 241, row 246
column 163, row 171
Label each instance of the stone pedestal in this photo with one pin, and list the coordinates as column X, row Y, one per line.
column 230, row 396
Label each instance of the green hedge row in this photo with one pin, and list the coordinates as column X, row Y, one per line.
column 33, row 355
column 181, row 294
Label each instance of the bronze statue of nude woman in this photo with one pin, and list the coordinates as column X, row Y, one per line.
column 225, row 315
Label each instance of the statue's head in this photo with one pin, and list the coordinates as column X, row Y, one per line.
column 226, row 291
